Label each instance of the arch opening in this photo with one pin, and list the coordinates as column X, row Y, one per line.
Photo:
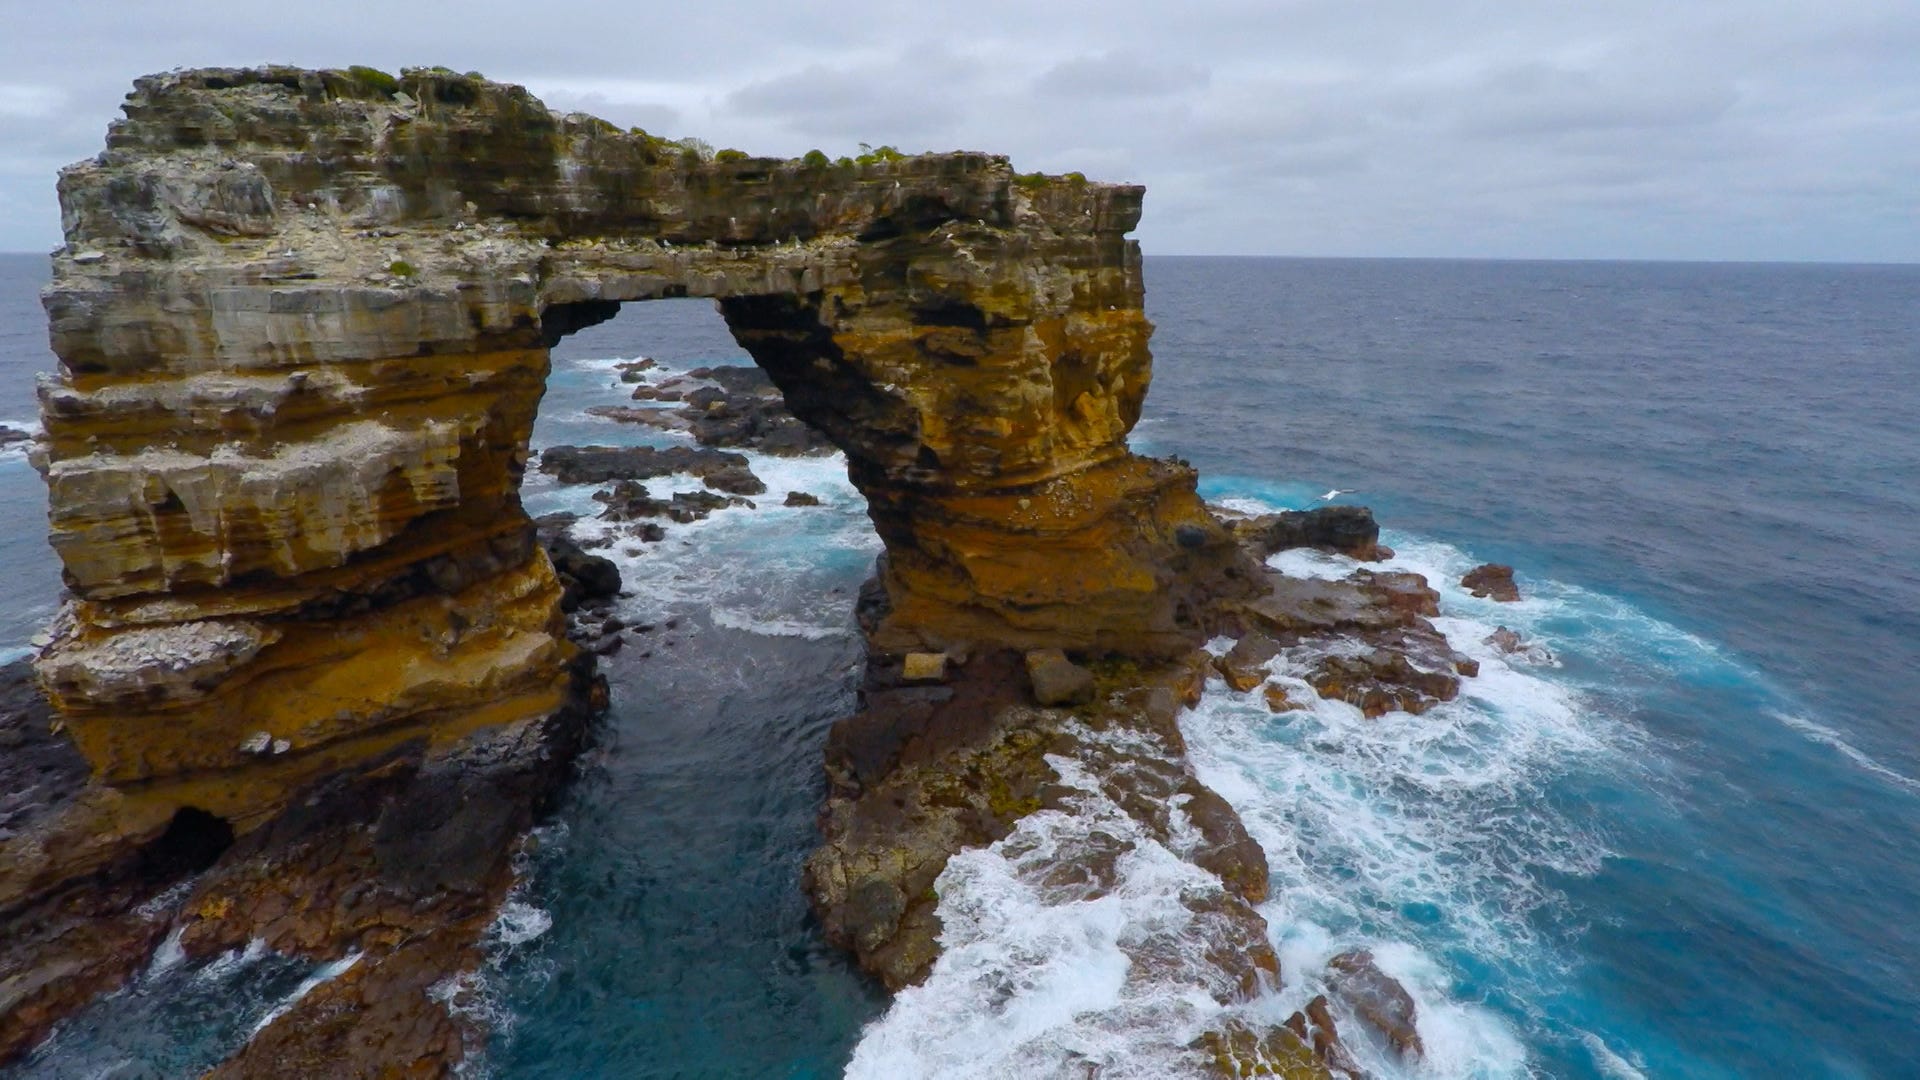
column 334, row 361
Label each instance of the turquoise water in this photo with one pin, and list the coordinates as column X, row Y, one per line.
column 1689, row 845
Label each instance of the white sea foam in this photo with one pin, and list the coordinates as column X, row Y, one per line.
column 231, row 962
column 751, row 569
column 1830, row 738
column 169, row 955
column 323, row 974
column 1608, row 1063
column 1308, row 563
column 1413, row 837
column 518, row 923
column 1035, row 977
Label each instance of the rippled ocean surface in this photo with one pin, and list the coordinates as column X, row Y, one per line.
column 1688, row 846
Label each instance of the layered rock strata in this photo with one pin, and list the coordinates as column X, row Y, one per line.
column 303, row 320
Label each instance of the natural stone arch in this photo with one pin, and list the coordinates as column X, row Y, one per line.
column 303, row 321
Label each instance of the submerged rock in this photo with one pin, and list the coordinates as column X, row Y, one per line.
column 1378, row 999
column 599, row 464
column 1492, row 580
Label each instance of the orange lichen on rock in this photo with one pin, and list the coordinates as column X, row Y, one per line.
column 284, row 447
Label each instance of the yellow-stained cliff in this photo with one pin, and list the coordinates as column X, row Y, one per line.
column 303, row 321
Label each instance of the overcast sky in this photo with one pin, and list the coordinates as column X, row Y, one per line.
column 1701, row 129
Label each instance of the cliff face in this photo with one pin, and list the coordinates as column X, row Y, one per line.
column 303, row 321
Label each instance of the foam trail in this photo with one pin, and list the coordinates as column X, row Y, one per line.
column 1610, row 1064
column 323, row 974
column 1830, row 738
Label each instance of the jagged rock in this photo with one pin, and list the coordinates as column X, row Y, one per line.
column 801, row 498
column 1057, row 680
column 12, row 435
column 1245, row 665
column 1492, row 580
column 599, row 464
column 1512, row 644
column 1377, row 998
column 1279, row 700
column 1237, row 1050
column 1407, row 665
column 307, row 420
column 924, row 771
column 1346, row 530
column 303, row 321
column 1381, row 681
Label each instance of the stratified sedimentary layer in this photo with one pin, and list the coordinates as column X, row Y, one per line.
column 303, row 321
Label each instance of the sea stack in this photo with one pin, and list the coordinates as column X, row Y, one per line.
column 303, row 322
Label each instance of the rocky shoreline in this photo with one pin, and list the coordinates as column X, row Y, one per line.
column 398, row 870
column 320, row 673
column 395, row 870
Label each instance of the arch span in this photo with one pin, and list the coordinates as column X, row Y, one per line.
column 303, row 320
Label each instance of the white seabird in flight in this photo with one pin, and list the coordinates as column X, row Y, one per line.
column 1334, row 493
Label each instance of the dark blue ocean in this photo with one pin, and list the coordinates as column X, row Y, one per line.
column 1689, row 845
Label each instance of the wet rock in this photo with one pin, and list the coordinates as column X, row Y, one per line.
column 601, row 464
column 635, row 370
column 1512, row 644
column 688, row 506
column 1245, row 665
column 1057, row 680
column 925, row 771
column 1492, row 580
column 583, row 577
column 1402, row 592
column 801, row 498
column 11, row 435
column 1344, row 530
column 629, row 500
column 1279, row 700
column 1293, row 608
column 1382, row 680
column 1237, row 1049
column 661, row 419
column 734, row 480
column 1376, row 998
column 661, row 393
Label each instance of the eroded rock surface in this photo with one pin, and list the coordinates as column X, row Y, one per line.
column 1492, row 581
column 303, row 321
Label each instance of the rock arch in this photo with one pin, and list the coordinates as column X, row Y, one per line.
column 303, row 320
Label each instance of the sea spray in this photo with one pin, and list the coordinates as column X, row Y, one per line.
column 1041, row 972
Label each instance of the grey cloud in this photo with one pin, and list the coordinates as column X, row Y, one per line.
column 1510, row 127
column 1119, row 75
column 1541, row 100
column 896, row 101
